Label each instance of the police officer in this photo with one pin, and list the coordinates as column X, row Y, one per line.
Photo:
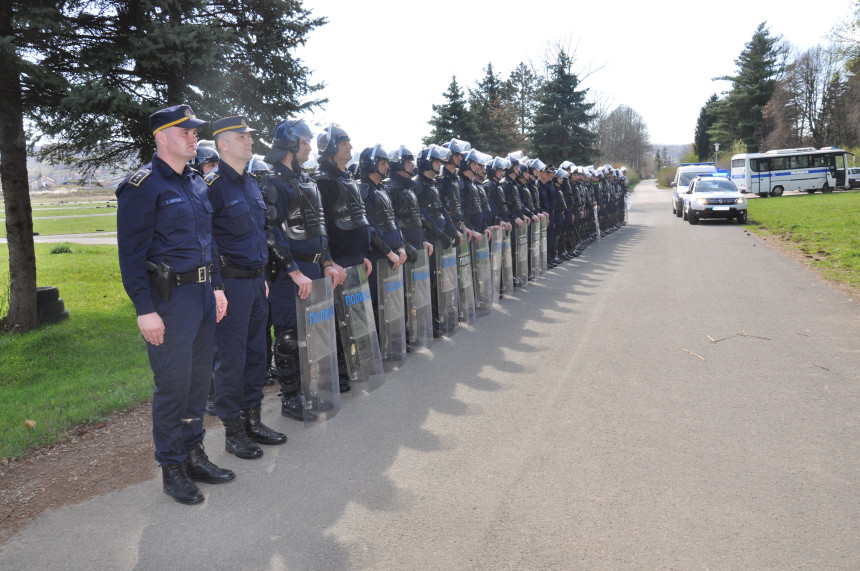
column 164, row 236
column 449, row 187
column 298, row 250
column 206, row 158
column 346, row 217
column 240, row 338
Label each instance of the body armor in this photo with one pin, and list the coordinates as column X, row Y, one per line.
column 407, row 212
column 471, row 201
column 383, row 215
column 347, row 212
column 304, row 217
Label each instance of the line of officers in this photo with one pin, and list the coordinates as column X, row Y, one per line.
column 216, row 247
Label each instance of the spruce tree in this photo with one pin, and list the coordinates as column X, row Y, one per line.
column 221, row 57
column 702, row 140
column 560, row 124
column 739, row 115
column 452, row 118
column 495, row 120
column 520, row 88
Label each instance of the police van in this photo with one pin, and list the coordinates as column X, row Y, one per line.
column 683, row 176
column 805, row 169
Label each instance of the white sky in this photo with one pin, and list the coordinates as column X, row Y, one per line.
column 385, row 62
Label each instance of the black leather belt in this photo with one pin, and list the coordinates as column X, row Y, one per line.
column 312, row 258
column 197, row 276
column 244, row 273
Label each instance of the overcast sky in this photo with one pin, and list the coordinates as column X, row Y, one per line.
column 385, row 62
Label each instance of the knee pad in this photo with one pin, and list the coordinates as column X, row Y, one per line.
column 287, row 354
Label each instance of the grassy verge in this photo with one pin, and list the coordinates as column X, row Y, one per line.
column 67, row 225
column 824, row 227
column 79, row 370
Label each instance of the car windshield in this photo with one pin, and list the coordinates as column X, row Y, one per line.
column 687, row 177
column 715, row 186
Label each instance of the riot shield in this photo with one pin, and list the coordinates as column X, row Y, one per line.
column 544, row 253
column 496, row 262
column 392, row 317
column 597, row 223
column 534, row 250
column 419, row 316
column 521, row 264
column 358, row 331
column 318, row 352
column 465, row 285
column 507, row 265
column 446, row 290
column 482, row 271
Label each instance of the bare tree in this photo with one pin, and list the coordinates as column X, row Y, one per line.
column 623, row 138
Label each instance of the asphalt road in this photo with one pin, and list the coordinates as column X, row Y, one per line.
column 589, row 422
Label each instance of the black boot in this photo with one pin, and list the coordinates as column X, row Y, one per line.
column 271, row 376
column 258, row 431
column 201, row 469
column 237, row 440
column 292, row 406
column 179, row 486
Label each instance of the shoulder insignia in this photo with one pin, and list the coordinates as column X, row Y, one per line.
column 211, row 177
column 138, row 177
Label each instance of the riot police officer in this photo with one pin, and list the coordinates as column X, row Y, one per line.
column 240, row 345
column 165, row 246
column 298, row 250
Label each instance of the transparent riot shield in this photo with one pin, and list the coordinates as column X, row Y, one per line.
column 483, row 273
column 446, row 290
column 497, row 249
column 544, row 253
column 507, row 266
column 465, row 285
column 358, row 331
column 318, row 352
column 534, row 250
column 521, row 264
column 419, row 311
column 597, row 222
column 391, row 312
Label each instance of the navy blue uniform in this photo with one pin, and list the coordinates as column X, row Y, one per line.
column 346, row 221
column 164, row 216
column 240, row 337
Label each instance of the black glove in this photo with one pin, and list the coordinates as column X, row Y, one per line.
column 411, row 253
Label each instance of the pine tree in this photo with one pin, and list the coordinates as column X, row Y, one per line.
column 219, row 56
column 702, row 140
column 40, row 41
column 739, row 115
column 495, row 120
column 521, row 87
column 452, row 118
column 559, row 132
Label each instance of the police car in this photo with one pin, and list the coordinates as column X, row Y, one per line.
column 685, row 173
column 714, row 196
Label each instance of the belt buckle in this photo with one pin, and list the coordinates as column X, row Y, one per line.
column 201, row 275
column 317, row 258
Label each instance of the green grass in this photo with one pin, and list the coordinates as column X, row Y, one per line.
column 824, row 227
column 77, row 371
column 71, row 211
column 66, row 225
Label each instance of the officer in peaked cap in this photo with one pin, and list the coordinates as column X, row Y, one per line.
column 240, row 338
column 166, row 257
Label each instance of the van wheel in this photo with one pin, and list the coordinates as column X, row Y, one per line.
column 776, row 191
column 826, row 187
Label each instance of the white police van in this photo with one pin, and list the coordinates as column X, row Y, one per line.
column 686, row 172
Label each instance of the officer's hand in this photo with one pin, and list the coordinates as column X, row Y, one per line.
column 429, row 247
column 333, row 274
column 341, row 274
column 535, row 218
column 368, row 266
column 151, row 327
column 488, row 232
column 393, row 258
column 220, row 305
column 267, row 288
column 303, row 283
column 401, row 258
column 519, row 222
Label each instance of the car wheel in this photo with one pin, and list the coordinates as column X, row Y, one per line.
column 692, row 218
column 776, row 191
column 678, row 210
column 742, row 217
column 684, row 214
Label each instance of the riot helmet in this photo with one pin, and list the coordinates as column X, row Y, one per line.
column 428, row 155
column 370, row 158
column 286, row 139
column 257, row 167
column 497, row 164
column 328, row 140
column 205, row 155
column 397, row 159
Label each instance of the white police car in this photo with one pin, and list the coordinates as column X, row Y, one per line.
column 714, row 196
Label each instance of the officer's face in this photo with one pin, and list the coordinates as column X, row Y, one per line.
column 409, row 166
column 304, row 151
column 382, row 168
column 456, row 158
column 344, row 152
column 237, row 145
column 178, row 143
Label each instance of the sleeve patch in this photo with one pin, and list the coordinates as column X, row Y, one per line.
column 138, row 177
column 210, row 178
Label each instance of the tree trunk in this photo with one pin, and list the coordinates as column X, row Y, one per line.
column 16, row 192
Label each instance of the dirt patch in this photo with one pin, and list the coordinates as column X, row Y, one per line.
column 94, row 460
